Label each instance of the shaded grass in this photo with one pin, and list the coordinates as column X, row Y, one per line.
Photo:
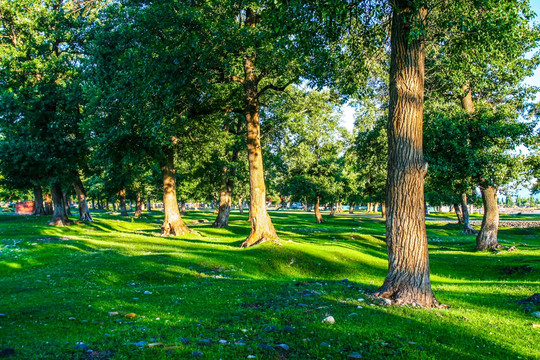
column 206, row 288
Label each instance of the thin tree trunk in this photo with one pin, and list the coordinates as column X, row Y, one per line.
column 148, row 203
column 38, row 199
column 241, row 205
column 106, row 204
column 59, row 217
column 351, row 208
column 318, row 215
column 138, row 205
column 122, row 195
column 173, row 223
column 383, row 210
column 408, row 279
column 262, row 228
column 459, row 214
column 84, row 212
column 467, row 228
column 487, row 237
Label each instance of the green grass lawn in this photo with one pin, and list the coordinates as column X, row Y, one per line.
column 203, row 293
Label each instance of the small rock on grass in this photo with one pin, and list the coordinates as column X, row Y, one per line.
column 223, row 342
column 354, row 355
column 329, row 319
column 140, row 343
column 251, row 357
column 536, row 313
column 147, row 292
column 283, row 346
column 81, row 346
column 113, row 313
column 197, row 353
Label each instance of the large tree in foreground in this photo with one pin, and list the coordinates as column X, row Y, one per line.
column 408, row 280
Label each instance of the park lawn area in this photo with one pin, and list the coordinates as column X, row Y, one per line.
column 203, row 293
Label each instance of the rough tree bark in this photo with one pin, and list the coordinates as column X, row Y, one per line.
column 318, row 215
column 262, row 228
column 487, row 237
column 408, row 279
column 84, row 212
column 122, row 195
column 38, row 199
column 138, row 205
column 59, row 217
column 173, row 223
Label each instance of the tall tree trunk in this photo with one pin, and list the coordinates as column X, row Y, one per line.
column 351, row 208
column 173, row 223
column 487, row 237
column 262, row 228
column 84, row 212
column 122, row 195
column 138, row 205
column 241, row 205
column 408, row 279
column 459, row 214
column 148, row 203
column 383, row 210
column 106, row 204
column 38, row 199
column 59, row 217
column 318, row 215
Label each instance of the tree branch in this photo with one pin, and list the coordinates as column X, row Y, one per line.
column 273, row 87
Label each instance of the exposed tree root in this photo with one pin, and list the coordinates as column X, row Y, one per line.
column 408, row 296
column 255, row 239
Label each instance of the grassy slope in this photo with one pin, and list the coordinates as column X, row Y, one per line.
column 205, row 287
